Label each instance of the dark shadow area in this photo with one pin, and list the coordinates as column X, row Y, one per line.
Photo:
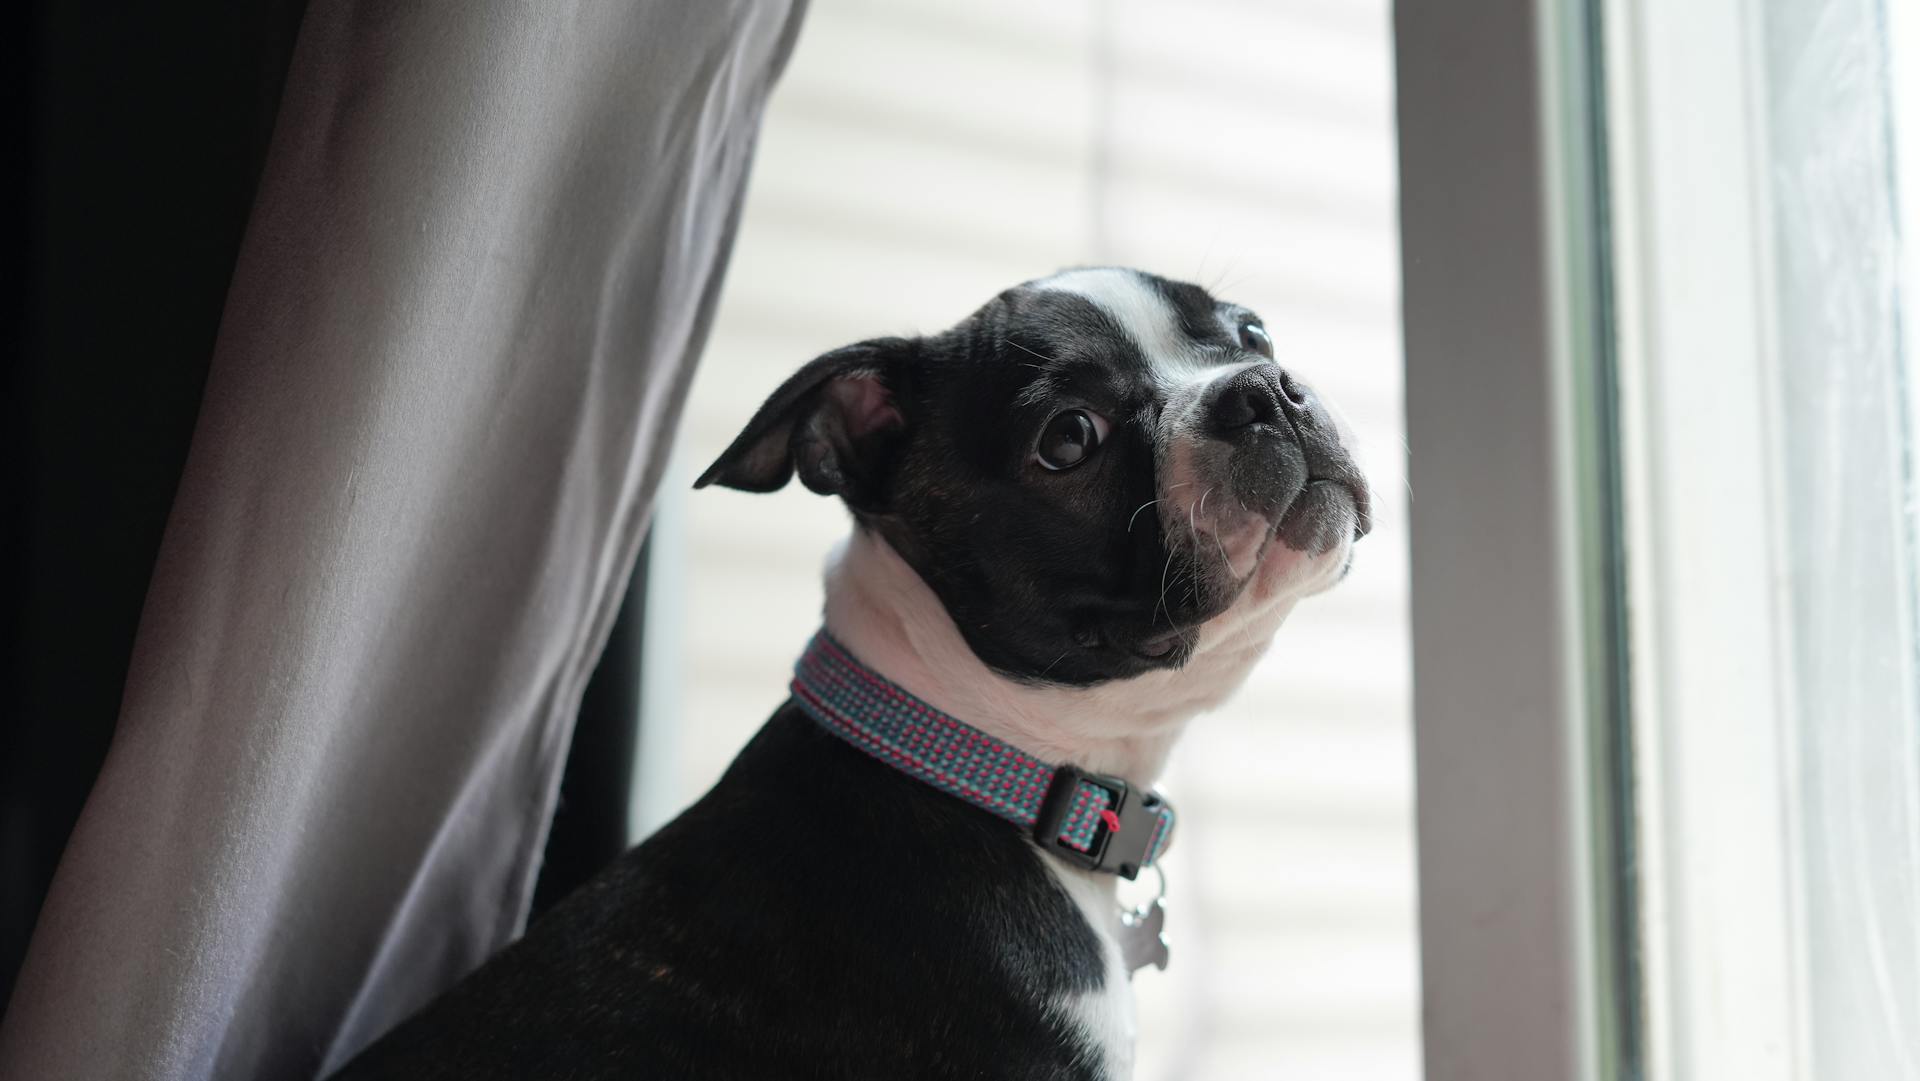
column 589, row 827
column 140, row 130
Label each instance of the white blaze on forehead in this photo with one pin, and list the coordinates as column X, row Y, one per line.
column 1141, row 311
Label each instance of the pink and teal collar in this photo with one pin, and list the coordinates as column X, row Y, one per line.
column 1088, row 819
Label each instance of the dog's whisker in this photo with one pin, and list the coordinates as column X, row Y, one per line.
column 1136, row 512
column 1029, row 352
column 1162, row 604
column 1231, row 569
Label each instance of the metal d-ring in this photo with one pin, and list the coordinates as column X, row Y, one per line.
column 1142, row 911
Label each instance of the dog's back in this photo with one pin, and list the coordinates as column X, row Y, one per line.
column 816, row 915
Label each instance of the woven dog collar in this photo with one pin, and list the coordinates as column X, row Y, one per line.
column 1088, row 819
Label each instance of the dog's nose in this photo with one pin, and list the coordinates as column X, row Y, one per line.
column 1256, row 395
column 1293, row 393
column 1243, row 400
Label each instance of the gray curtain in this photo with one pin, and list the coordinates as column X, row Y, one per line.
column 484, row 254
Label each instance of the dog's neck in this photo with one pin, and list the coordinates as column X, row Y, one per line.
column 888, row 617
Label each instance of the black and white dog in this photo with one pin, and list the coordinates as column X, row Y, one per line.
column 1080, row 515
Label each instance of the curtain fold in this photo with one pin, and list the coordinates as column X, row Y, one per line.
column 483, row 258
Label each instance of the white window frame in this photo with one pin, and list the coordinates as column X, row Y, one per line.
column 1548, row 952
column 1496, row 235
column 1713, row 668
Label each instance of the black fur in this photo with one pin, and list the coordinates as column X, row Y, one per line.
column 817, row 915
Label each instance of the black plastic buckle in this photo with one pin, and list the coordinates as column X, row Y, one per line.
column 1122, row 852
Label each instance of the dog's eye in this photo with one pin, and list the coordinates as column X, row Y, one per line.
column 1253, row 336
column 1070, row 438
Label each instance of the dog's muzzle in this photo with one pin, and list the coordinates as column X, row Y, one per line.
column 1287, row 458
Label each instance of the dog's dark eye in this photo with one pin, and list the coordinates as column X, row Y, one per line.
column 1070, row 438
column 1253, row 336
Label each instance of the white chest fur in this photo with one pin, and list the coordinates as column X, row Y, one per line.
column 1103, row 1016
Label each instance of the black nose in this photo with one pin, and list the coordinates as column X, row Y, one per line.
column 1256, row 395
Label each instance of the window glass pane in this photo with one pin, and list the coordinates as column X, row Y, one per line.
column 1848, row 435
column 1763, row 192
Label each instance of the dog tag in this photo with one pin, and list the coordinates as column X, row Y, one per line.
column 1142, row 936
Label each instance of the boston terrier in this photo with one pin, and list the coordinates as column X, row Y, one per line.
column 1079, row 517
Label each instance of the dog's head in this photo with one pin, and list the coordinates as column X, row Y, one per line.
column 1089, row 471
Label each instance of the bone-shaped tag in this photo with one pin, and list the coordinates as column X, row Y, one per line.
column 1143, row 940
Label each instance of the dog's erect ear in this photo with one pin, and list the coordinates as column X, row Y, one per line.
column 833, row 422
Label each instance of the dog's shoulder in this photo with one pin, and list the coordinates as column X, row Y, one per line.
column 816, row 914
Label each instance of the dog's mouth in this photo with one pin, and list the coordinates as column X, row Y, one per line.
column 1327, row 511
column 1361, row 496
column 1244, row 521
column 1258, row 553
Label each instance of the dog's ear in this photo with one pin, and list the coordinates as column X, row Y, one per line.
column 834, row 422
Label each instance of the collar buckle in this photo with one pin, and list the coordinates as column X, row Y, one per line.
column 1123, row 851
